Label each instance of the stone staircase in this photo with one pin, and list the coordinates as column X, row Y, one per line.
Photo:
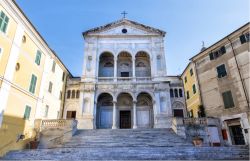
column 128, row 144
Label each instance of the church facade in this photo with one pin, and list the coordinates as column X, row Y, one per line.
column 124, row 82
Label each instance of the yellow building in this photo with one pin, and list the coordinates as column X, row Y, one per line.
column 32, row 79
column 191, row 87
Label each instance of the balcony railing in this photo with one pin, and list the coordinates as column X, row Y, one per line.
column 124, row 79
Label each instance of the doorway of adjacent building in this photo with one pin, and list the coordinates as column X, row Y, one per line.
column 236, row 135
column 125, row 119
column 71, row 115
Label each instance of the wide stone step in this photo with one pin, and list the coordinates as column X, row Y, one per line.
column 138, row 153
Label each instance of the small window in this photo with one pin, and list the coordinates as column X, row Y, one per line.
column 221, row 71
column 73, row 94
column 194, row 89
column 26, row 115
column 185, row 79
column 77, row 94
column 68, row 94
column 222, row 50
column 50, row 87
column 191, row 72
column 175, row 93
column 228, row 99
column 54, row 66
column 63, row 76
column 187, row 94
column 124, row 74
column 0, row 50
column 33, row 84
column 211, row 56
column 178, row 113
column 38, row 57
column 4, row 20
column 24, row 39
column 46, row 111
column 60, row 96
column 180, row 93
column 171, row 93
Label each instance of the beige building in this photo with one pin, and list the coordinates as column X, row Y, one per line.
column 223, row 75
column 32, row 78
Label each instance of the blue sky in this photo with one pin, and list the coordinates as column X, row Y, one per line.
column 187, row 23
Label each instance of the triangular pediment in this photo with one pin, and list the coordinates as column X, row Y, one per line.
column 117, row 27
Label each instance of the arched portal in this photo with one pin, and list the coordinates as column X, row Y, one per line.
column 142, row 65
column 144, row 108
column 106, row 65
column 104, row 111
column 124, row 68
column 125, row 106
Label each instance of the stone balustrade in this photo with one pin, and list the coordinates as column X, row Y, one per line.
column 198, row 121
column 124, row 79
column 58, row 123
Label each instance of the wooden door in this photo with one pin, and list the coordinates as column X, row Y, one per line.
column 125, row 119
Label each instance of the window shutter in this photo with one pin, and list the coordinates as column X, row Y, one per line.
column 38, row 57
column 27, row 112
column 242, row 39
column 211, row 55
column 33, row 84
column 228, row 99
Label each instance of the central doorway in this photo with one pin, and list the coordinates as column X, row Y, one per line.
column 237, row 135
column 125, row 119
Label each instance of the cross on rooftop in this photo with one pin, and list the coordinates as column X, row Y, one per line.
column 124, row 14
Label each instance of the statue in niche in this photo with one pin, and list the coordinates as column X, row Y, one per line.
column 140, row 64
column 89, row 63
column 108, row 64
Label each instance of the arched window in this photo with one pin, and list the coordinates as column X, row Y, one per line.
column 180, row 93
column 175, row 92
column 73, row 94
column 77, row 94
column 171, row 93
column 68, row 94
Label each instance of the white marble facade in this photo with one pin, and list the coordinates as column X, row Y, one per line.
column 124, row 82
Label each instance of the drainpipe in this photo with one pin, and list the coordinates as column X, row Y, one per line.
column 242, row 81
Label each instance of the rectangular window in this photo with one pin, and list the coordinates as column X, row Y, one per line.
column 4, row 20
column 60, row 97
column 244, row 38
column 191, row 72
column 124, row 74
column 50, row 87
column 211, row 56
column 194, row 89
column 222, row 50
column 185, row 79
column 63, row 76
column 32, row 88
column 26, row 115
column 228, row 99
column 187, row 94
column 38, row 57
column 46, row 111
column 221, row 71
column 54, row 66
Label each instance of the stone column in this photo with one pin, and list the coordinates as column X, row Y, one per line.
column 134, row 114
column 115, row 69
column 114, row 115
column 133, row 68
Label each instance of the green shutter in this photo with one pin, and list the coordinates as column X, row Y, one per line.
column 27, row 112
column 33, row 84
column 228, row 99
column 194, row 89
column 4, row 20
column 38, row 57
